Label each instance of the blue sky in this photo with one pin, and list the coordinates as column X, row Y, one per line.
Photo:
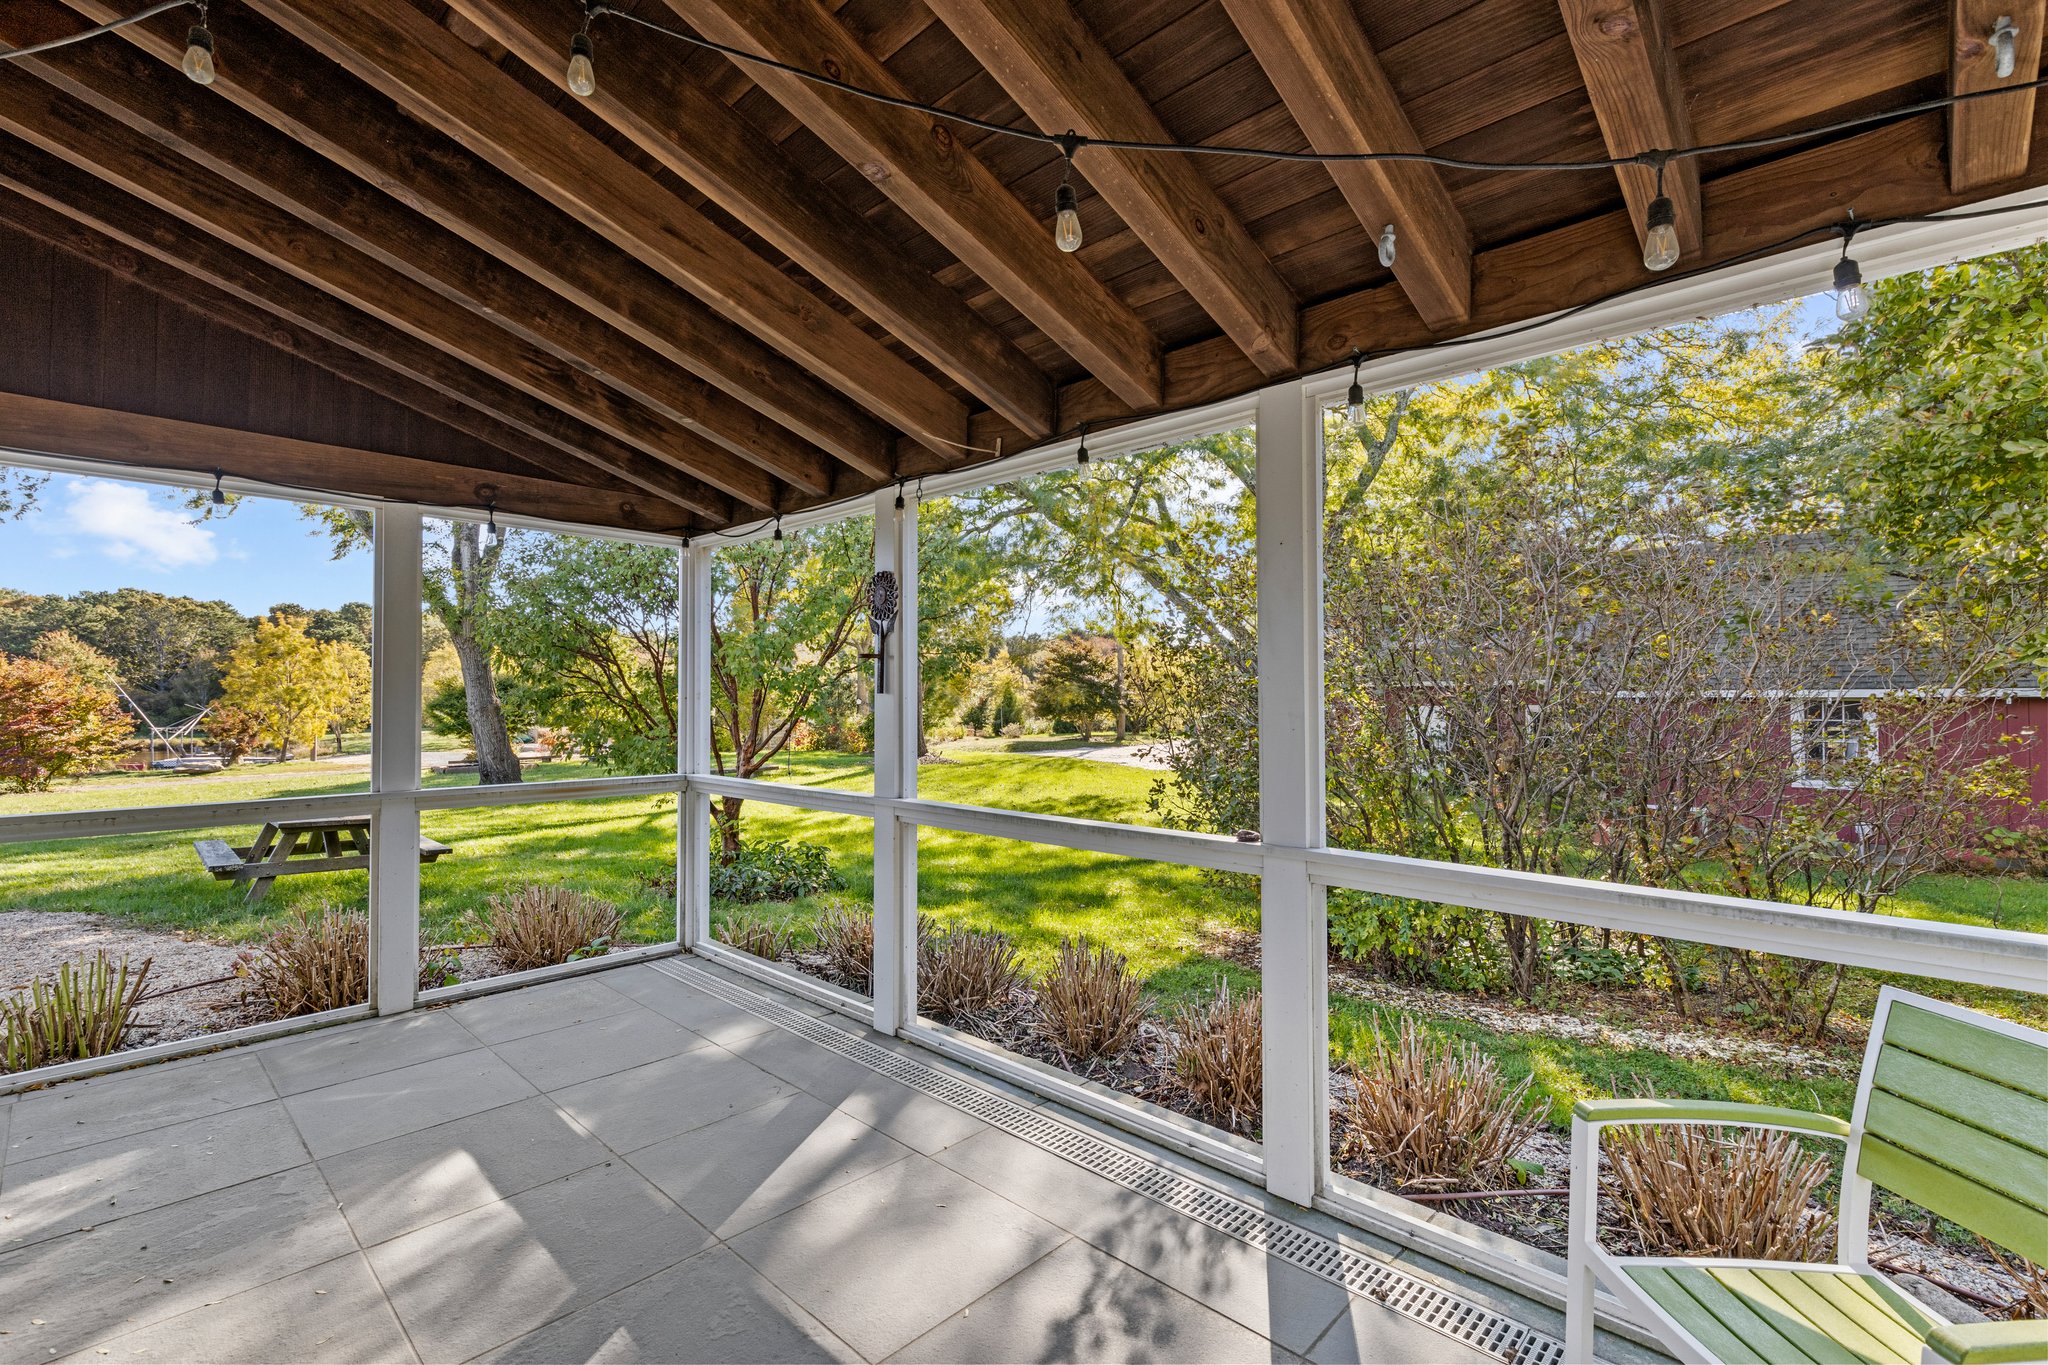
column 90, row 533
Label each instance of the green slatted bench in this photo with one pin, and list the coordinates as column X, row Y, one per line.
column 1951, row 1113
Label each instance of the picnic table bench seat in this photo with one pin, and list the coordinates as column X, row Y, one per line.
column 1951, row 1113
column 333, row 843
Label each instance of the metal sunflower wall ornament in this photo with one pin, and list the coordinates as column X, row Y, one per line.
column 883, row 602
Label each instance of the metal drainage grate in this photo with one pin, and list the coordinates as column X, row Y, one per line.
column 1458, row 1318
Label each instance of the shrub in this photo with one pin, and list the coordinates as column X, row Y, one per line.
column 772, row 870
column 1218, row 1058
column 88, row 1010
column 1691, row 1190
column 752, row 934
column 1418, row 942
column 1089, row 1005
column 540, row 926
column 54, row 724
column 316, row 960
column 846, row 936
column 965, row 972
column 1437, row 1115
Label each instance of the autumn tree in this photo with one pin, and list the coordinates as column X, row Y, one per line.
column 54, row 723
column 293, row 685
column 75, row 656
column 1076, row 684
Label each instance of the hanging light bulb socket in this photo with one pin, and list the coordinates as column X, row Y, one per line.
column 582, row 74
column 2005, row 47
column 491, row 531
column 1660, row 224
column 198, row 62
column 1386, row 246
column 1081, row 451
column 1354, row 397
column 1852, row 300
column 220, row 499
column 778, row 529
column 1066, row 216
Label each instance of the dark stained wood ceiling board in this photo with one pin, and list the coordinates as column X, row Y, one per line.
column 414, row 265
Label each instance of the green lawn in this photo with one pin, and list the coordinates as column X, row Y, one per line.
column 1171, row 921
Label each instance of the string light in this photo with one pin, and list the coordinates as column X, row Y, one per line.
column 198, row 63
column 1066, row 218
column 220, row 499
column 1354, row 397
column 491, row 531
column 1081, row 451
column 778, row 528
column 1852, row 301
column 2005, row 36
column 1387, row 246
column 582, row 74
column 1660, row 229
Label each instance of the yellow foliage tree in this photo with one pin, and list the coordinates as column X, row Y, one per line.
column 292, row 685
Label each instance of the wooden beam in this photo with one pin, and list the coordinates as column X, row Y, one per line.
column 647, row 92
column 155, row 100
column 919, row 162
column 1988, row 139
column 45, row 426
column 522, row 453
column 1062, row 77
column 1625, row 56
column 152, row 172
column 72, row 190
column 1895, row 171
column 443, row 81
column 1324, row 68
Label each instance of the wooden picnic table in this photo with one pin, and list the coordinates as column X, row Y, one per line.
column 286, row 848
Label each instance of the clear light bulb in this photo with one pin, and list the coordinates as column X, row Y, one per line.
column 1852, row 300
column 1387, row 246
column 1354, row 403
column 582, row 71
column 1660, row 234
column 2005, row 46
column 1066, row 231
column 198, row 61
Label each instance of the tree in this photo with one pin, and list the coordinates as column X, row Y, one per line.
column 167, row 651
column 963, row 597
column 53, row 723
column 1007, row 709
column 783, row 613
column 1076, row 683
column 351, row 665
column 75, row 656
column 293, row 686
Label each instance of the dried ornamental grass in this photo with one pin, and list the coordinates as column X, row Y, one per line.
column 752, row 934
column 316, row 960
column 1219, row 1058
column 1089, row 1005
column 1437, row 1115
column 2031, row 1280
column 1691, row 1190
column 540, row 926
column 965, row 972
column 86, row 1010
column 846, row 936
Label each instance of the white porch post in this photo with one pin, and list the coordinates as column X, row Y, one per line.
column 693, row 749
column 896, row 727
column 395, row 760
column 1292, row 924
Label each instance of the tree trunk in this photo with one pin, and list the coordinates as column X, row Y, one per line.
column 495, row 761
column 1122, row 709
column 923, row 745
column 727, row 817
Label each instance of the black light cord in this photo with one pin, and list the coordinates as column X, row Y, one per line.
column 1069, row 143
column 8, row 53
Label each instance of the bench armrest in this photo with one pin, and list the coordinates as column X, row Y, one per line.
column 1988, row 1343
column 1708, row 1111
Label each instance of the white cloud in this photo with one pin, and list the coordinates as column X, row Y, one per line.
column 124, row 522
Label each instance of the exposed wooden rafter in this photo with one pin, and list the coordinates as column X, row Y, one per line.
column 1989, row 139
column 345, row 120
column 1624, row 53
column 647, row 93
column 1323, row 66
column 444, row 81
column 71, row 189
column 920, row 163
column 1063, row 78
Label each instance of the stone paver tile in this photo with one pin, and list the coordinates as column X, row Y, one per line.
column 1368, row 1331
column 536, row 1009
column 910, row 1116
column 631, row 1109
column 390, row 1188
column 350, row 1052
column 88, row 1186
column 883, row 1260
column 104, row 1108
column 122, row 1275
column 748, row 1168
column 710, row 1308
column 360, row 1112
column 693, row 1009
column 1080, row 1304
column 597, row 1047
column 466, row 1284
column 333, row 1312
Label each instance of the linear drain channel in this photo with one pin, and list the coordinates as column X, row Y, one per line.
column 1460, row 1319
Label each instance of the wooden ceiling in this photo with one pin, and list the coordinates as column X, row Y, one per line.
column 714, row 291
